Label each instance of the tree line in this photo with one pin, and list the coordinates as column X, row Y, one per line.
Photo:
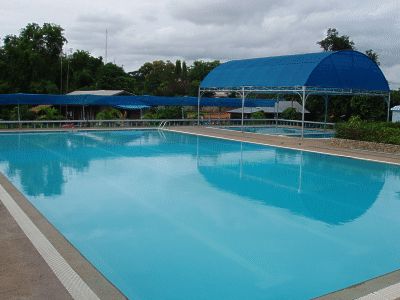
column 34, row 62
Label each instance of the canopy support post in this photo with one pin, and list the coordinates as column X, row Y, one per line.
column 198, row 107
column 326, row 99
column 242, row 107
column 388, row 108
column 303, row 99
column 277, row 111
column 19, row 116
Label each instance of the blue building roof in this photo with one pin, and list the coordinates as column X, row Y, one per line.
column 338, row 70
column 127, row 102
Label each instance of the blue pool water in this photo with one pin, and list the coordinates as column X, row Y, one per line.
column 287, row 131
column 174, row 216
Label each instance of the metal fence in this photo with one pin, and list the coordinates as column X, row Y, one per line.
column 156, row 123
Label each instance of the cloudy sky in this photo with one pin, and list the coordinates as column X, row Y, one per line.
column 141, row 31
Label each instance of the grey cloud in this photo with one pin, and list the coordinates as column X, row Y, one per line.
column 144, row 31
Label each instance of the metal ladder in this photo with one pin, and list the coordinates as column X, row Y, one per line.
column 162, row 125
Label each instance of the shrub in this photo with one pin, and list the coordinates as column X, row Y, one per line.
column 258, row 115
column 379, row 132
column 290, row 113
column 108, row 114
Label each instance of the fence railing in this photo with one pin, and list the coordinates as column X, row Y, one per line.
column 155, row 123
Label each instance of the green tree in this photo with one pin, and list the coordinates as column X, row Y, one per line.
column 373, row 56
column 83, row 70
column 31, row 60
column 368, row 108
column 178, row 69
column 113, row 77
column 184, row 70
column 335, row 42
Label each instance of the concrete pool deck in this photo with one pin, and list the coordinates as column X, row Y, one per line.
column 30, row 269
column 27, row 274
column 307, row 144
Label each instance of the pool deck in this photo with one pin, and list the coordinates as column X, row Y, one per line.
column 28, row 273
column 31, row 268
column 307, row 144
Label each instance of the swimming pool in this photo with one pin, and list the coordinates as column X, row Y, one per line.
column 286, row 131
column 172, row 216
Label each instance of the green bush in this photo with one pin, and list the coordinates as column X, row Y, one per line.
column 258, row 115
column 379, row 132
column 290, row 113
column 49, row 113
column 167, row 112
column 109, row 114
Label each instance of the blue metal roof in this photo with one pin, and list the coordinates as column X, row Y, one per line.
column 127, row 101
column 337, row 70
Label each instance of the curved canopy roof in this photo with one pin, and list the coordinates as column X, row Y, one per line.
column 328, row 70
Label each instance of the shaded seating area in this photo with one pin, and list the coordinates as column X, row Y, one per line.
column 323, row 74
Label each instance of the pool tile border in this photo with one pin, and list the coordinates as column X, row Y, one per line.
column 81, row 279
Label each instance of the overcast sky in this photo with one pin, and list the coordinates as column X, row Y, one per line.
column 141, row 31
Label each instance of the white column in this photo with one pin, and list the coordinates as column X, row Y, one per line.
column 388, row 108
column 326, row 98
column 198, row 107
column 242, row 107
column 303, row 98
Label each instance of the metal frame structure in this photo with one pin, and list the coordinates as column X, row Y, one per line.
column 302, row 91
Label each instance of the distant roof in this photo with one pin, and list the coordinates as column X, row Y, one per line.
column 336, row 70
column 283, row 105
column 395, row 108
column 101, row 93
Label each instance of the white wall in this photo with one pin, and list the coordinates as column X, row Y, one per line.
column 395, row 116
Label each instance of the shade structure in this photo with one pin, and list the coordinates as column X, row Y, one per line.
column 125, row 101
column 344, row 72
column 339, row 70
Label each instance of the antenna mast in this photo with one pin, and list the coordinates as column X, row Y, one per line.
column 106, row 46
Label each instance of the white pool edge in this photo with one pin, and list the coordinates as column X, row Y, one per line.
column 284, row 147
column 74, row 284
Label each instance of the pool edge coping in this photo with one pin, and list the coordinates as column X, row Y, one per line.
column 284, row 147
column 67, row 255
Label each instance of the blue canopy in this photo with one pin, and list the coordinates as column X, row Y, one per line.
column 127, row 102
column 336, row 70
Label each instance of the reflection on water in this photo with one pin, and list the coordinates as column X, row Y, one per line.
column 173, row 216
column 326, row 188
column 329, row 189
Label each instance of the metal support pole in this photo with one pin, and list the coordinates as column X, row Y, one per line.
column 277, row 111
column 242, row 107
column 302, row 113
column 19, row 116
column 388, row 108
column 326, row 99
column 198, row 107
column 83, row 112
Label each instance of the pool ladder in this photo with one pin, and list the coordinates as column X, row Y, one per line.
column 162, row 125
